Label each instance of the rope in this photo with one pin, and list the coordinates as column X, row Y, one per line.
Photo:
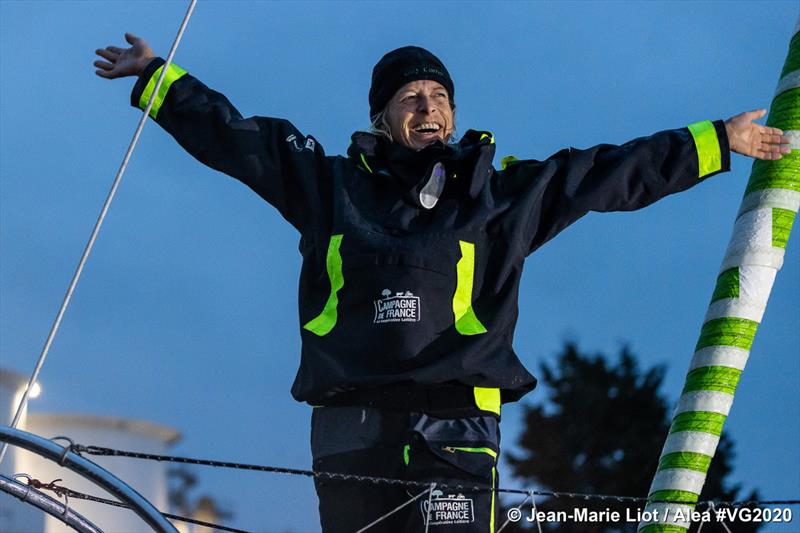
column 413, row 499
column 89, row 245
column 538, row 522
column 428, row 511
column 520, row 504
column 60, row 490
column 101, row 451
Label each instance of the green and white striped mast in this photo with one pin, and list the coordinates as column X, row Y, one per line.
column 753, row 258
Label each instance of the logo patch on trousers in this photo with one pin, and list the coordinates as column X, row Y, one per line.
column 397, row 307
column 449, row 510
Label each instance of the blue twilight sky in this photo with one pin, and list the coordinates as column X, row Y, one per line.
column 186, row 313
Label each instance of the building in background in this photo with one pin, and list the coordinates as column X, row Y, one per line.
column 149, row 478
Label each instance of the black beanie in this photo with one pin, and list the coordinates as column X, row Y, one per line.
column 401, row 66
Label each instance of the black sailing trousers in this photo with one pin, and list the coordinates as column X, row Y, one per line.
column 408, row 446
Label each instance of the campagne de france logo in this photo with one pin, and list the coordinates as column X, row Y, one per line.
column 453, row 509
column 400, row 307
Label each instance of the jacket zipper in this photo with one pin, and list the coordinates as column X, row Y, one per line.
column 454, row 449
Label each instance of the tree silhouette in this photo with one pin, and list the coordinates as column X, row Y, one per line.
column 601, row 431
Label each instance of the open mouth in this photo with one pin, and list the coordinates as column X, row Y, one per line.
column 427, row 128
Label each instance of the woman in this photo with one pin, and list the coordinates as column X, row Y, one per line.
column 413, row 247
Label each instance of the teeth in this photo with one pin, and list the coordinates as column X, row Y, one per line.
column 427, row 126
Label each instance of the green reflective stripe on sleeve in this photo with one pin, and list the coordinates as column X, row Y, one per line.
column 727, row 285
column 174, row 72
column 680, row 496
column 406, row 457
column 727, row 331
column 689, row 460
column 778, row 174
column 713, row 378
column 709, row 158
column 507, row 160
column 662, row 528
column 782, row 220
column 466, row 321
column 324, row 323
column 704, row 421
column 487, row 399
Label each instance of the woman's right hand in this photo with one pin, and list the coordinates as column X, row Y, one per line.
column 121, row 62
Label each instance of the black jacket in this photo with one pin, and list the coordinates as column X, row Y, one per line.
column 393, row 292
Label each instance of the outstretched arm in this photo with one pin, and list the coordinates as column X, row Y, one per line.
column 549, row 195
column 122, row 62
column 267, row 154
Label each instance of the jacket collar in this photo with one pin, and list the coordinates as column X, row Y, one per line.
column 468, row 163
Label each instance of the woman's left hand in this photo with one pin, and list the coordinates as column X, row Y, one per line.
column 754, row 140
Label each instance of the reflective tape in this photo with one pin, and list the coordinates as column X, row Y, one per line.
column 680, row 496
column 698, row 462
column 720, row 356
column 174, row 72
column 734, row 307
column 766, row 257
column 661, row 528
column 792, row 62
column 678, row 479
column 776, row 174
column 324, row 323
column 782, row 220
column 507, row 160
column 784, row 112
column 465, row 320
column 494, row 495
column 487, row 399
column 709, row 157
column 755, row 284
column 783, row 198
column 752, row 230
column 702, row 421
column 790, row 81
column 727, row 285
column 693, row 441
column 712, row 378
column 728, row 331
column 707, row 401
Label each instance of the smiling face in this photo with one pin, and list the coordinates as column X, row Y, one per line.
column 419, row 114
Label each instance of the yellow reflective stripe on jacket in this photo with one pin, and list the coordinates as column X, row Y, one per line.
column 494, row 494
column 709, row 158
column 174, row 72
column 466, row 321
column 324, row 323
column 483, row 449
column 507, row 160
column 487, row 399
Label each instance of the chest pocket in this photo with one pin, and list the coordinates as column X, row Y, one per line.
column 404, row 298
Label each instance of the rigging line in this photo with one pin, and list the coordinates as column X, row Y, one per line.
column 61, row 490
column 90, row 244
column 518, row 506
column 413, row 499
column 101, row 451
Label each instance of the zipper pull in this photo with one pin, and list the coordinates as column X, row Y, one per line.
column 449, row 449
